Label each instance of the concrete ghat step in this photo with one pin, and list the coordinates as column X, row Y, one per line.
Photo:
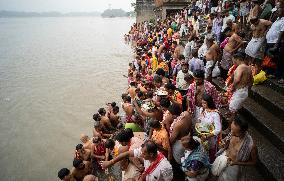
column 269, row 125
column 270, row 164
column 272, row 83
column 270, row 160
column 263, row 120
column 269, row 99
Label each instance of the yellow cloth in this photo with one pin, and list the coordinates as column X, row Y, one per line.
column 154, row 63
column 170, row 32
column 259, row 78
column 164, row 66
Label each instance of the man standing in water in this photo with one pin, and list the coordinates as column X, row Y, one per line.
column 105, row 122
column 243, row 80
column 81, row 169
column 65, row 175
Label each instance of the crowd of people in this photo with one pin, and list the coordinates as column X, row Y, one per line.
column 173, row 101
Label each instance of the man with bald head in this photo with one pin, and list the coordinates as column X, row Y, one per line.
column 87, row 143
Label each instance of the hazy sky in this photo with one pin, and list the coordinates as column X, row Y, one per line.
column 64, row 5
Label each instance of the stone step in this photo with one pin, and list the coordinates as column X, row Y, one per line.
column 272, row 83
column 269, row 99
column 262, row 119
column 266, row 130
column 270, row 163
column 269, row 125
column 270, row 160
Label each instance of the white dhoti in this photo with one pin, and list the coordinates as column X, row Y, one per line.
column 219, row 164
column 196, row 115
column 178, row 151
column 231, row 173
column 254, row 47
column 130, row 173
column 238, row 98
column 200, row 177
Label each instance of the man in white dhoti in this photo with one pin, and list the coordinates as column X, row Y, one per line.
column 239, row 151
column 259, row 28
column 243, row 80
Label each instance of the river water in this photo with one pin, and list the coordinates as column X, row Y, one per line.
column 55, row 73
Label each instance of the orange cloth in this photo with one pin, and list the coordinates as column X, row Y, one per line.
column 161, row 137
column 177, row 97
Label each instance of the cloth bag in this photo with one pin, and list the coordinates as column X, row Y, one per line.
column 219, row 164
column 259, row 78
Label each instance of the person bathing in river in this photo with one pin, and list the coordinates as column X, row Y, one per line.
column 65, row 175
column 114, row 116
column 105, row 122
column 98, row 153
column 81, row 169
column 82, row 153
column 130, row 114
column 132, row 90
column 87, row 143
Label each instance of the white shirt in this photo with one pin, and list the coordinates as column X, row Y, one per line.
column 231, row 17
column 180, row 82
column 196, row 64
column 212, row 118
column 163, row 171
column 274, row 31
column 202, row 50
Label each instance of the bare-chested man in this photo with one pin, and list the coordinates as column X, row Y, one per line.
column 180, row 127
column 128, row 108
column 243, row 80
column 114, row 116
column 81, row 169
column 82, row 153
column 259, row 29
column 65, row 175
column 90, row 178
column 178, row 50
column 132, row 90
column 240, row 150
column 212, row 56
column 234, row 43
column 87, row 143
column 105, row 122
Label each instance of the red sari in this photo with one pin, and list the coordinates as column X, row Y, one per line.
column 99, row 150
